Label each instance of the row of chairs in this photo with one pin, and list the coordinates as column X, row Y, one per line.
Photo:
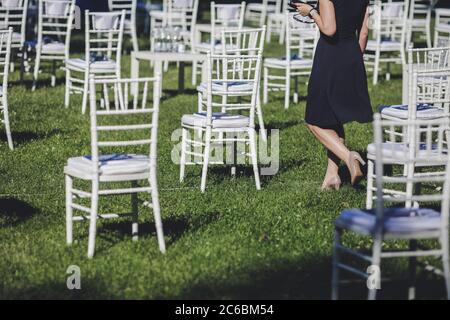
column 412, row 140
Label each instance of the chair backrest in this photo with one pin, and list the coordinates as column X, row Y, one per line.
column 5, row 56
column 130, row 7
column 389, row 21
column 55, row 21
column 428, row 144
column 226, row 16
column 129, row 130
column 243, row 42
column 226, row 71
column 428, row 59
column 13, row 13
column 301, row 37
column 420, row 10
column 104, row 36
column 442, row 16
column 182, row 13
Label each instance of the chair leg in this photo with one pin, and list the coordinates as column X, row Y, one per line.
column 135, row 211
column 254, row 156
column 67, row 91
column 266, row 86
column 446, row 262
column 376, row 67
column 93, row 218
column 335, row 269
column 370, row 184
column 157, row 210
column 287, row 94
column 194, row 73
column 36, row 71
column 134, row 38
column 7, row 127
column 183, row 153
column 69, row 210
column 85, row 92
column 206, row 159
column 259, row 111
column 412, row 271
column 376, row 259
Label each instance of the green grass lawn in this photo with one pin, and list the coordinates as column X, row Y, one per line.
column 230, row 242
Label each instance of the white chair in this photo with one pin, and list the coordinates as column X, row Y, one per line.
column 240, row 42
column 389, row 21
column 276, row 23
column 430, row 100
column 230, row 78
column 384, row 224
column 123, row 132
column 55, row 21
column 13, row 13
column 103, row 52
column 300, row 42
column 442, row 28
column 257, row 12
column 223, row 16
column 158, row 18
column 5, row 55
column 423, row 60
column 181, row 15
column 419, row 20
column 130, row 7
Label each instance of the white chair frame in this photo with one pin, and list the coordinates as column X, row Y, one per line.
column 301, row 39
column 96, row 175
column 442, row 28
column 5, row 56
column 258, row 12
column 392, row 26
column 419, row 20
column 380, row 236
column 53, row 25
column 431, row 87
column 130, row 26
column 247, row 70
column 217, row 24
column 106, row 42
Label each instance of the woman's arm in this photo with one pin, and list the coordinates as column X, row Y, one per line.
column 364, row 32
column 326, row 20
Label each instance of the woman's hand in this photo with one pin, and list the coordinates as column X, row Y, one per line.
column 304, row 9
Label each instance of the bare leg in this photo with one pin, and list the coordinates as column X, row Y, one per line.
column 332, row 141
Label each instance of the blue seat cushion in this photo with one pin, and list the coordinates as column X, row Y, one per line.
column 397, row 221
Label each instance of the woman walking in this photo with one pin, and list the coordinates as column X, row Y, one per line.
column 337, row 91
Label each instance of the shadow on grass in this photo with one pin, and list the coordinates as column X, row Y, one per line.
column 14, row 211
column 174, row 228
column 23, row 137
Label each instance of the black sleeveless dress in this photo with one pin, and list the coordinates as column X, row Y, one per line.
column 337, row 90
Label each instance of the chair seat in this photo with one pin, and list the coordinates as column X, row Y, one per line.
column 96, row 66
column 236, row 86
column 282, row 62
column 219, row 120
column 110, row 165
column 424, row 111
column 398, row 152
column 259, row 7
column 160, row 15
column 385, row 45
column 54, row 47
column 398, row 222
column 206, row 46
column 445, row 27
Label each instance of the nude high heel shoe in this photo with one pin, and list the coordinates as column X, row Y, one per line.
column 354, row 162
column 332, row 183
